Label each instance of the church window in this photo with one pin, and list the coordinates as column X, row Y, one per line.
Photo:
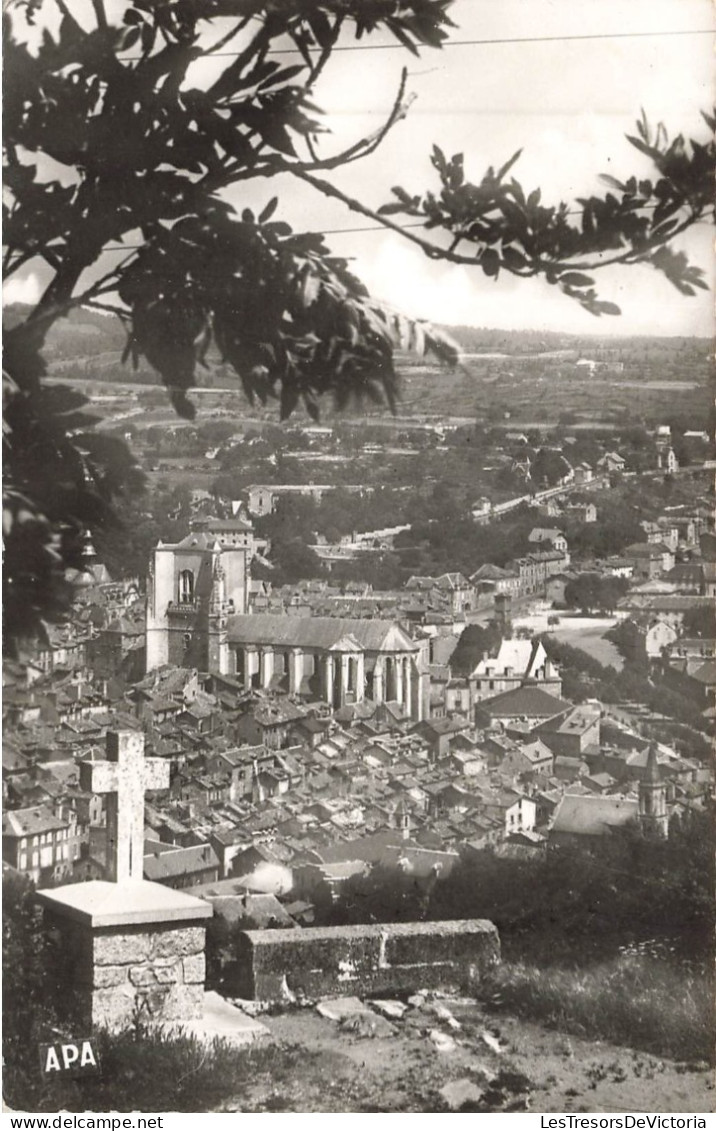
column 186, row 587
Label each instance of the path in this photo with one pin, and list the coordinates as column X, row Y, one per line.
column 402, row 1068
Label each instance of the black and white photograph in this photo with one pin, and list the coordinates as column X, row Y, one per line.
column 359, row 578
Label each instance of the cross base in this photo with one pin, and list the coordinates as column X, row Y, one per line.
column 129, row 952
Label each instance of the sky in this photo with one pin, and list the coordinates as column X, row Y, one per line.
column 567, row 104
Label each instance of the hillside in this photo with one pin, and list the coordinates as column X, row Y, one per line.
column 520, row 377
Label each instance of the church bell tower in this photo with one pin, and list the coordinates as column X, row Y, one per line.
column 653, row 815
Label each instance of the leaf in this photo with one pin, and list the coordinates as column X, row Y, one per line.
column 643, row 147
column 279, row 76
column 490, row 263
column 438, row 159
column 575, row 279
column 606, row 179
column 391, row 208
column 513, row 259
column 268, row 210
column 508, row 165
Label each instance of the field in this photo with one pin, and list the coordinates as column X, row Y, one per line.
column 586, row 633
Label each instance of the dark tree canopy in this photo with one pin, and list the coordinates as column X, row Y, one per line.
column 111, row 143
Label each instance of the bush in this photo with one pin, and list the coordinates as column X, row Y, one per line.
column 145, row 1071
column 139, row 1070
column 633, row 1000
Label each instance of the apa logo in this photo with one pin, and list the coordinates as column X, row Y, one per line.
column 72, row 1057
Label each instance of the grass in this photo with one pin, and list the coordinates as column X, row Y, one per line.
column 632, row 999
column 148, row 1072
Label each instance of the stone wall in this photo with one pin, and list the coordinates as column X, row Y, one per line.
column 383, row 958
column 125, row 974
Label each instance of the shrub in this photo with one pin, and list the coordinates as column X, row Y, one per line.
column 634, row 999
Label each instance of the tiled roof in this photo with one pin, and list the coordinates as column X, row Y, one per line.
column 592, row 816
column 30, row 822
column 318, row 632
column 529, row 701
column 180, row 862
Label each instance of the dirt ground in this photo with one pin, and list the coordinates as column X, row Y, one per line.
column 487, row 1063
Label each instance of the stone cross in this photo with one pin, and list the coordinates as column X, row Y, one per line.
column 124, row 777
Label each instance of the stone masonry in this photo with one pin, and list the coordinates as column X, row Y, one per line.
column 132, row 952
column 122, row 975
column 316, row 962
column 129, row 950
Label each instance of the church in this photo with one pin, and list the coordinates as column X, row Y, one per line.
column 197, row 616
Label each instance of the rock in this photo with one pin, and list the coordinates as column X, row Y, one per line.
column 459, row 1092
column 491, row 1042
column 482, row 1070
column 392, row 1009
column 417, row 999
column 444, row 1014
column 250, row 1008
column 366, row 1024
column 338, row 1008
column 442, row 1041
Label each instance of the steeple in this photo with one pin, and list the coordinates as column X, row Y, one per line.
column 652, row 798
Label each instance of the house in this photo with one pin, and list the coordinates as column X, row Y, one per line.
column 515, row 812
column 584, row 473
column 322, row 884
column 669, row 608
column 688, row 577
column 458, row 589
column 516, row 663
column 587, row 817
column 690, row 653
column 523, row 708
column 645, row 636
column 438, row 734
column 649, row 559
column 703, row 682
column 182, row 867
column 492, row 578
column 662, row 531
column 40, row 844
column 550, row 535
column 611, row 461
column 528, row 759
column 572, row 733
column 582, row 512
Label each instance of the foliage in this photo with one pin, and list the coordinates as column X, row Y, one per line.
column 112, row 142
column 145, row 1071
column 475, row 642
column 581, row 904
column 513, row 231
column 591, row 591
column 634, row 999
column 700, row 622
column 31, row 993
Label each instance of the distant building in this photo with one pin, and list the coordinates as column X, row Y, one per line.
column 649, row 559
column 516, row 663
column 40, row 844
column 550, row 535
column 264, row 497
column 587, row 817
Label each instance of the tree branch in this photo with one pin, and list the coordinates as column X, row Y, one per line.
column 100, row 14
column 327, row 189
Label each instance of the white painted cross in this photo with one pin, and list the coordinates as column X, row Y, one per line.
column 124, row 777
